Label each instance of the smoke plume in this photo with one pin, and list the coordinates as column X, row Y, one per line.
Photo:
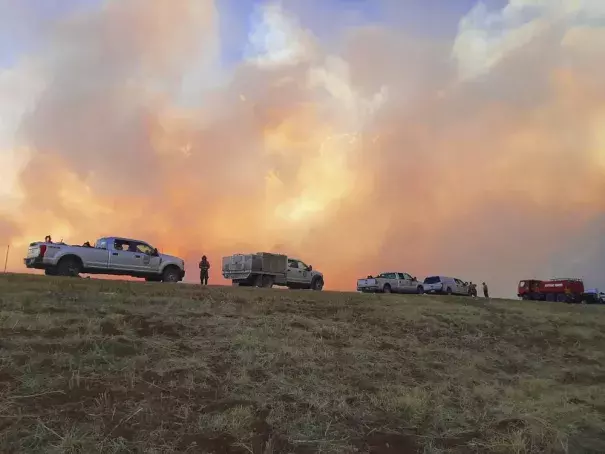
column 480, row 156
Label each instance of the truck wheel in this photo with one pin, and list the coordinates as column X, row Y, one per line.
column 170, row 274
column 387, row 288
column 69, row 266
column 267, row 282
column 561, row 298
column 448, row 291
column 317, row 284
column 420, row 290
column 258, row 282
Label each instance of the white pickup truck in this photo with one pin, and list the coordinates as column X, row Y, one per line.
column 110, row 255
column 390, row 283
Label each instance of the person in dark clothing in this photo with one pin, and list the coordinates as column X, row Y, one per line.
column 204, row 267
column 485, row 290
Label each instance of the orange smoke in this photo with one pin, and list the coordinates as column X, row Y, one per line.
column 385, row 156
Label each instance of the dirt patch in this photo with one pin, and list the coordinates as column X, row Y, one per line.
column 581, row 359
column 386, row 443
column 81, row 346
column 217, row 444
column 223, row 405
column 145, row 327
column 109, row 329
column 298, row 325
column 6, row 376
column 458, row 441
column 56, row 310
column 364, row 384
column 583, row 378
column 122, row 347
column 54, row 333
column 258, row 375
column 509, row 425
column 386, row 346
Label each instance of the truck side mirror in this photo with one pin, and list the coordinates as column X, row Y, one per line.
column 310, row 268
column 155, row 252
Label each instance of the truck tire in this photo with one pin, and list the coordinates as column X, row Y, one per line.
column 448, row 291
column 317, row 284
column 267, row 281
column 69, row 266
column 170, row 274
column 420, row 289
column 386, row 288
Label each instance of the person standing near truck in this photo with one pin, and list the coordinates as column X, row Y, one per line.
column 204, row 267
column 472, row 290
column 485, row 290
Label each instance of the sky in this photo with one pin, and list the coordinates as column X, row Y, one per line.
column 452, row 137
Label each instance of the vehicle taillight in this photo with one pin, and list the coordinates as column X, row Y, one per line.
column 42, row 250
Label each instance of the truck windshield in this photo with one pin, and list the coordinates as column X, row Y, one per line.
column 432, row 280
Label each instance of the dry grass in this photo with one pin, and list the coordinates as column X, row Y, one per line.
column 99, row 366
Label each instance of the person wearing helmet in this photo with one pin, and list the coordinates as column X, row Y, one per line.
column 204, row 267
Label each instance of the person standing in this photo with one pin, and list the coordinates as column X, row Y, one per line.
column 485, row 290
column 204, row 267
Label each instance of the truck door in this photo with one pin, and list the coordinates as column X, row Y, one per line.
column 124, row 258
column 401, row 284
column 305, row 274
column 410, row 284
column 404, row 283
column 149, row 262
column 294, row 272
column 461, row 289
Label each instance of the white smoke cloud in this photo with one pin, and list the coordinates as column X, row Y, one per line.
column 485, row 37
column 20, row 88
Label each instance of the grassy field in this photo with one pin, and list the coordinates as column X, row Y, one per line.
column 100, row 366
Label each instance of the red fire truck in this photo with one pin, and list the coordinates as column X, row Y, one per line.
column 564, row 290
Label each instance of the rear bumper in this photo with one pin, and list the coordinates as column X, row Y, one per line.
column 234, row 276
column 371, row 289
column 35, row 263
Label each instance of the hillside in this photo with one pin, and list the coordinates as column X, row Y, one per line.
column 100, row 366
